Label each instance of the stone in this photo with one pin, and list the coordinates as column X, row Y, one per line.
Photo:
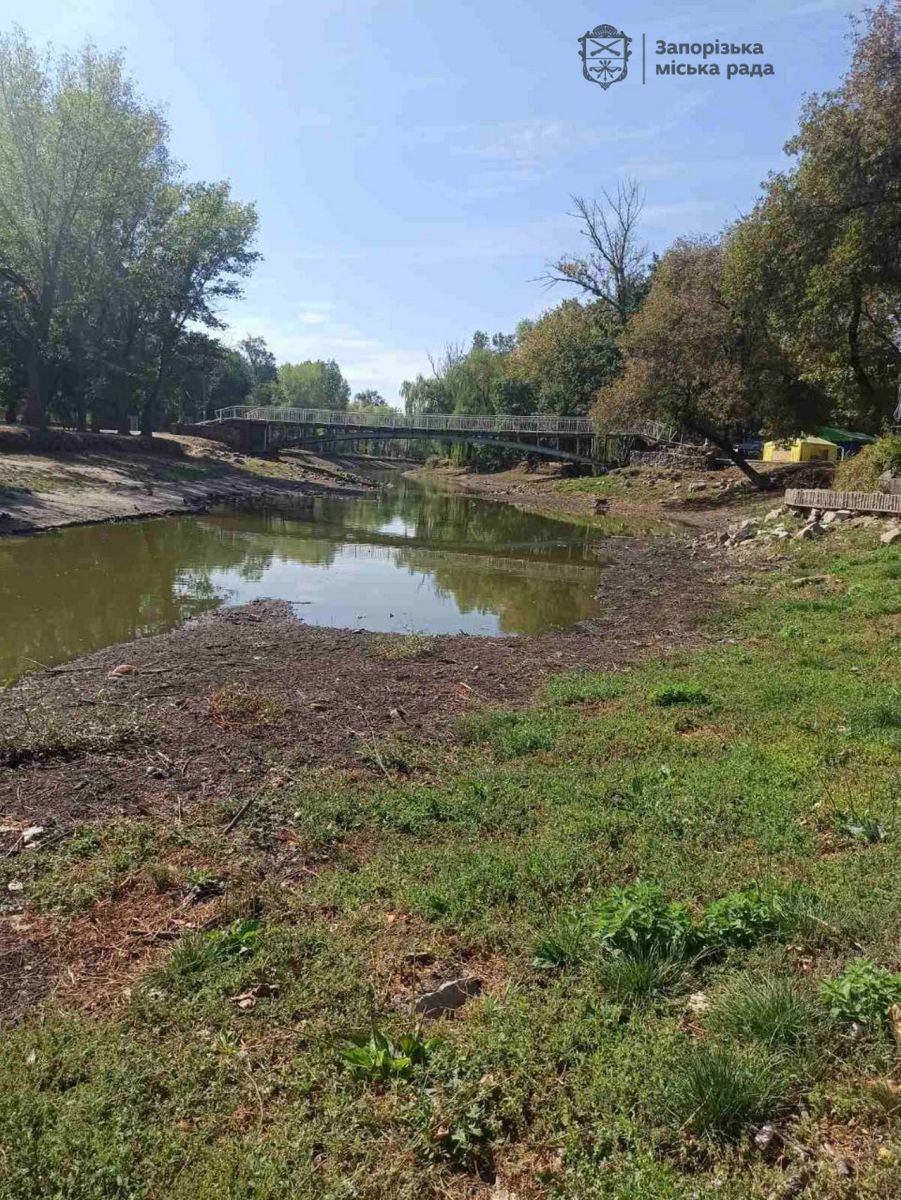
column 891, row 536
column 31, row 834
column 810, row 531
column 697, row 487
column 449, row 996
column 775, row 514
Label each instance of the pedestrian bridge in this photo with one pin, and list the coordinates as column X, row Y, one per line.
column 262, row 428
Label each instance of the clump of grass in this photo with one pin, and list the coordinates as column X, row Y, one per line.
column 564, row 944
column 512, row 734
column 236, row 706
column 40, row 733
column 773, row 1009
column 859, row 827
column 399, row 647
column 863, row 994
column 718, row 1091
column 197, row 955
column 679, row 693
column 580, row 687
column 641, row 974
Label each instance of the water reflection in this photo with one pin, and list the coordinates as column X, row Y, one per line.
column 402, row 559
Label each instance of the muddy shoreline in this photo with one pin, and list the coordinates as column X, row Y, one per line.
column 85, row 481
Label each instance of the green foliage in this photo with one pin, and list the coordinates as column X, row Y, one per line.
column 862, row 994
column 564, row 943
column 679, row 693
column 94, row 209
column 640, row 920
column 581, row 687
column 381, row 1059
column 642, row 972
column 718, row 1092
column 312, row 385
column 860, row 472
column 742, row 918
column 775, row 1010
column 199, row 956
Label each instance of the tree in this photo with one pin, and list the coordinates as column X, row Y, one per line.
column 695, row 360
column 369, row 398
column 206, row 251
column 260, row 360
column 313, row 384
column 823, row 245
column 566, row 356
column 615, row 269
column 76, row 147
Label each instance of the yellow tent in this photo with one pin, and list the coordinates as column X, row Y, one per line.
column 802, row 449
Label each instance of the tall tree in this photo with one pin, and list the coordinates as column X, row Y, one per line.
column 313, row 384
column 823, row 246
column 207, row 250
column 615, row 268
column 567, row 355
column 260, row 360
column 695, row 360
column 75, row 145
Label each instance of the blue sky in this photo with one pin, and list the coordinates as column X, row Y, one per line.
column 412, row 159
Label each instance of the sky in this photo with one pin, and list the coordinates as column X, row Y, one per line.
column 412, row 161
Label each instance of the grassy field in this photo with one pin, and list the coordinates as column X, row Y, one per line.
column 678, row 888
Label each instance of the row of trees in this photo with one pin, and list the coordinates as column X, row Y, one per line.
column 793, row 316
column 111, row 263
column 788, row 319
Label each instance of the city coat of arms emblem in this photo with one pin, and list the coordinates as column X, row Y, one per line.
column 605, row 55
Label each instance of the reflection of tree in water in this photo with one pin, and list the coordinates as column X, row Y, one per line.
column 73, row 591
column 448, row 518
column 525, row 602
column 70, row 592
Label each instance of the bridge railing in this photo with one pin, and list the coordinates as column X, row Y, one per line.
column 438, row 422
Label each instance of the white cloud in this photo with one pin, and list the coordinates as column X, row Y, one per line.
column 365, row 362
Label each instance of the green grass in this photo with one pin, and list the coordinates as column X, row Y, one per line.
column 600, row 860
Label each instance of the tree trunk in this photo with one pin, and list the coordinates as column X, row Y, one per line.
column 735, row 456
column 12, row 412
column 35, row 412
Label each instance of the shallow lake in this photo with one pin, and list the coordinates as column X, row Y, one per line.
column 405, row 558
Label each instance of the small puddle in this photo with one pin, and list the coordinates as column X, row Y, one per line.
column 403, row 559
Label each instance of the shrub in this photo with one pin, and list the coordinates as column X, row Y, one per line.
column 379, row 1058
column 862, row 994
column 741, row 918
column 718, row 1092
column 861, row 472
column 679, row 693
column 771, row 1009
column 640, row 919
